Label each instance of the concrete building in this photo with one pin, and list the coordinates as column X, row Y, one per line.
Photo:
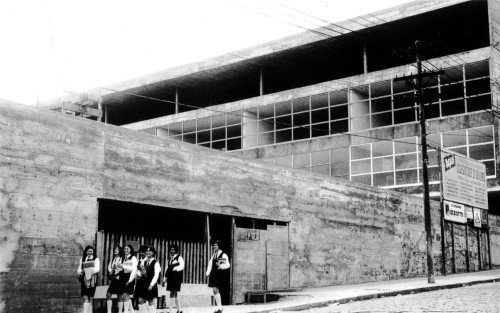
column 338, row 135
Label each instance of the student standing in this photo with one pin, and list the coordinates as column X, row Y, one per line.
column 149, row 274
column 114, row 272
column 217, row 264
column 173, row 276
column 87, row 270
column 129, row 267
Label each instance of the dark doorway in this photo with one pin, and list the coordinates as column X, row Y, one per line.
column 220, row 229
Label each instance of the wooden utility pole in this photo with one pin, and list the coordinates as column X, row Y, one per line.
column 427, row 206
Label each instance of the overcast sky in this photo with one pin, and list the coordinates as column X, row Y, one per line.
column 48, row 46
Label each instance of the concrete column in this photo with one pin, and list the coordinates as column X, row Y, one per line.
column 365, row 59
column 261, row 83
column 176, row 101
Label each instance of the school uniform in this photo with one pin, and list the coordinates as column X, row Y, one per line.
column 174, row 273
column 129, row 274
column 148, row 279
column 115, row 287
column 88, row 285
column 215, row 269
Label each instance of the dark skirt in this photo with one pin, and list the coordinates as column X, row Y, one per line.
column 216, row 278
column 174, row 280
column 115, row 286
column 128, row 289
column 89, row 292
column 141, row 290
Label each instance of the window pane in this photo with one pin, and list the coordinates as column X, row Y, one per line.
column 478, row 69
column 404, row 100
column 283, row 108
column 191, row 138
column 490, row 168
column 405, row 161
column 301, row 160
column 189, row 126
column 482, row 152
column 433, row 157
column 475, row 87
column 218, row 134
column 360, row 152
column 320, row 157
column 265, row 125
column 284, row 161
column 479, row 103
column 319, row 116
column 175, row 129
column 404, row 116
column 452, row 91
column 319, row 130
column 431, row 110
column 301, row 133
column 338, row 112
column 478, row 135
column 380, row 89
column 340, row 169
column 301, row 119
column 382, row 148
column 284, row 122
column 339, row 126
column 431, row 95
column 405, row 145
column 406, row 177
column 234, row 118
column 383, row 179
column 203, row 136
column 383, row 119
column 453, row 107
column 321, row 169
column 454, row 138
column 360, row 167
column 432, row 173
column 219, row 145
column 300, row 105
column 283, row 135
column 462, row 150
column 203, row 123
column 218, row 120
column 338, row 97
column 266, row 111
column 363, row 179
column 319, row 101
column 383, row 164
column 234, row 144
column 234, row 131
column 434, row 140
column 360, row 123
column 381, row 104
column 340, row 155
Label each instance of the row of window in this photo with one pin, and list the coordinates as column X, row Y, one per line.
column 460, row 90
column 396, row 163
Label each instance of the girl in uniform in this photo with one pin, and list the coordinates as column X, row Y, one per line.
column 115, row 288
column 129, row 267
column 173, row 276
column 149, row 274
column 87, row 270
column 218, row 262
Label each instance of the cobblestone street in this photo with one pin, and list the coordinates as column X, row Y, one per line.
column 477, row 298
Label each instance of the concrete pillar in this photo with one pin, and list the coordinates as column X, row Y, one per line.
column 365, row 59
column 261, row 83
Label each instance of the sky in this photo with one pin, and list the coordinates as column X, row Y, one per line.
column 49, row 47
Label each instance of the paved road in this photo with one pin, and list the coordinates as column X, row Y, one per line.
column 477, row 298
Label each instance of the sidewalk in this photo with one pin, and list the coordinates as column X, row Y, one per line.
column 319, row 297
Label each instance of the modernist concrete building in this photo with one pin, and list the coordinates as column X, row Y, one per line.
column 325, row 101
column 324, row 113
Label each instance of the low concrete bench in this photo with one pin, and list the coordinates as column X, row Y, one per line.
column 265, row 293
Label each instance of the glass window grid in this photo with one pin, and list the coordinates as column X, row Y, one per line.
column 326, row 126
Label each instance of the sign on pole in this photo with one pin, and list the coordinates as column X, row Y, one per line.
column 454, row 212
column 464, row 180
column 477, row 218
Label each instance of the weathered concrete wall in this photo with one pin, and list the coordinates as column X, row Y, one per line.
column 53, row 168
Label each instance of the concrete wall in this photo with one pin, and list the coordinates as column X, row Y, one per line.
column 53, row 168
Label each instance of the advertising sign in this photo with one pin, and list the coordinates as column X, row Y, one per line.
column 454, row 212
column 464, row 180
column 468, row 214
column 477, row 218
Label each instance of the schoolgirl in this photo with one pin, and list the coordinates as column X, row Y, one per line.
column 127, row 279
column 87, row 270
column 114, row 272
column 173, row 276
column 217, row 263
column 148, row 290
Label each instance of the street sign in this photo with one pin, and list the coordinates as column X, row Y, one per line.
column 454, row 212
column 464, row 180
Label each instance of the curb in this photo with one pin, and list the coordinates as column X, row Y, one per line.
column 319, row 304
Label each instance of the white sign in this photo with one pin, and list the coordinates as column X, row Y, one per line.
column 477, row 218
column 464, row 180
column 454, row 212
column 468, row 213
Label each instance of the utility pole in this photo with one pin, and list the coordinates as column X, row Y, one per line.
column 427, row 206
